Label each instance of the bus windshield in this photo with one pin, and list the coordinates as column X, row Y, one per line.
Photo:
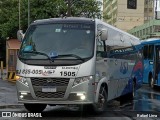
column 58, row 41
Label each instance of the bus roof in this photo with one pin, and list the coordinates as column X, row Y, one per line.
column 130, row 40
column 119, row 30
column 63, row 19
column 150, row 41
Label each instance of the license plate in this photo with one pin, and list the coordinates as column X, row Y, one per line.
column 49, row 89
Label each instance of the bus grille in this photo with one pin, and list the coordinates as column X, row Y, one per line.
column 59, row 94
column 50, row 81
column 60, row 84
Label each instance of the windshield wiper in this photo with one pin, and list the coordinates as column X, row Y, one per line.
column 72, row 55
column 39, row 53
column 51, row 58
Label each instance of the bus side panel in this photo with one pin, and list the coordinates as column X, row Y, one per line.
column 138, row 74
column 105, row 70
column 137, row 70
column 117, row 73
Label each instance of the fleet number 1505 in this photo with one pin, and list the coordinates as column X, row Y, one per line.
column 67, row 73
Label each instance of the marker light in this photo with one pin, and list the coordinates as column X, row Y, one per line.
column 24, row 93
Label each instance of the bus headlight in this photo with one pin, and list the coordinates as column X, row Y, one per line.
column 82, row 79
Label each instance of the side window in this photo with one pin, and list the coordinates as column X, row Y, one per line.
column 100, row 48
column 150, row 51
column 145, row 52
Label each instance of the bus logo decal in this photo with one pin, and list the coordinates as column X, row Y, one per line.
column 124, row 67
column 47, row 73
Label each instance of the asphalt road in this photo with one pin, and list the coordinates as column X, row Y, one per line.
column 146, row 105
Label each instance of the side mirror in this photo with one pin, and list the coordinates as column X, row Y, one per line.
column 20, row 35
column 104, row 34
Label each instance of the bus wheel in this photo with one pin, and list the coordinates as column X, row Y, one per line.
column 129, row 96
column 102, row 100
column 151, row 82
column 35, row 107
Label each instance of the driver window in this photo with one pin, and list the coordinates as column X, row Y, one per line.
column 101, row 53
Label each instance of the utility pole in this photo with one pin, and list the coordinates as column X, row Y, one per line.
column 69, row 8
column 19, row 9
column 28, row 13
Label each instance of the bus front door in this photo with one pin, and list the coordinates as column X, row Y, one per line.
column 156, row 70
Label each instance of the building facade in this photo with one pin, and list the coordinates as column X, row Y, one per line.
column 149, row 10
column 110, row 9
column 119, row 14
column 149, row 29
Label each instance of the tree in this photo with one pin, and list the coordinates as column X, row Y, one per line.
column 8, row 18
column 40, row 9
column 87, row 8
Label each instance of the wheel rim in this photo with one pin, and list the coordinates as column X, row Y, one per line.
column 101, row 100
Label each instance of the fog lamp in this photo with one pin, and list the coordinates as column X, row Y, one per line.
column 82, row 96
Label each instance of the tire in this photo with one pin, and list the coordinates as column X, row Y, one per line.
column 133, row 89
column 35, row 107
column 102, row 101
column 88, row 108
column 151, row 82
column 130, row 96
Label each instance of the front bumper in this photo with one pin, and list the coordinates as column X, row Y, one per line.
column 26, row 94
column 56, row 102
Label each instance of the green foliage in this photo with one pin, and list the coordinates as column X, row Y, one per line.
column 8, row 18
column 40, row 9
column 87, row 8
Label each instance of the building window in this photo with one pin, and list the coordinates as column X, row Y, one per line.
column 157, row 28
column 137, row 33
column 147, row 31
column 143, row 31
column 140, row 32
column 150, row 29
column 150, row 10
column 131, row 4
